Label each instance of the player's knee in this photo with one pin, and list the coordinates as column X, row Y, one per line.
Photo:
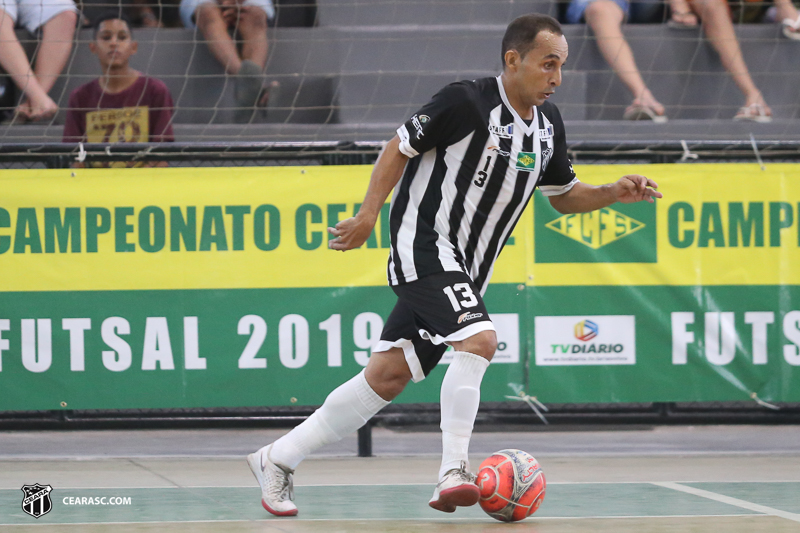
column 483, row 344
column 388, row 384
column 387, row 375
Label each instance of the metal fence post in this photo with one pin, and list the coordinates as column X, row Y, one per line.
column 365, row 440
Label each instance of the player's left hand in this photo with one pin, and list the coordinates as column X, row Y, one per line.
column 635, row 188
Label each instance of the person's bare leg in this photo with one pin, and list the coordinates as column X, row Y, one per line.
column 15, row 62
column 215, row 31
column 54, row 48
column 605, row 18
column 253, row 30
column 786, row 10
column 387, row 373
column 716, row 22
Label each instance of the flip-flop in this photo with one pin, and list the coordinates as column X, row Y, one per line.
column 643, row 112
column 791, row 28
column 678, row 25
column 756, row 112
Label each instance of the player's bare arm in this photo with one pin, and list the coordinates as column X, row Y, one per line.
column 583, row 197
column 353, row 232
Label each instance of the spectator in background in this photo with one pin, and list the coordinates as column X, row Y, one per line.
column 122, row 105
column 142, row 13
column 716, row 21
column 782, row 11
column 605, row 18
column 789, row 17
column 215, row 18
column 139, row 12
column 56, row 19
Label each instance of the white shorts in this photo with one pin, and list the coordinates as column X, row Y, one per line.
column 188, row 7
column 31, row 14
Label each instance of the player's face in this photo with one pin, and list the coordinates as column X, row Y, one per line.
column 540, row 70
column 113, row 45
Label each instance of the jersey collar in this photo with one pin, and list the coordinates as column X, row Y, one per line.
column 525, row 127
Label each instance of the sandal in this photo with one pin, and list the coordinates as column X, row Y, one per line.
column 791, row 29
column 643, row 112
column 683, row 20
column 757, row 112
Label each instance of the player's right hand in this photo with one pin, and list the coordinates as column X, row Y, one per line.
column 350, row 233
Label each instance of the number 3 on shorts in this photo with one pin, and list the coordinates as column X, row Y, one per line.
column 466, row 292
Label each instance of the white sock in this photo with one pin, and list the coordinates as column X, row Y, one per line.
column 460, row 396
column 345, row 410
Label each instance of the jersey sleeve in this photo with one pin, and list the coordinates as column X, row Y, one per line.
column 448, row 117
column 559, row 177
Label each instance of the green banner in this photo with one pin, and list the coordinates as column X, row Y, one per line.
column 691, row 344
column 210, row 348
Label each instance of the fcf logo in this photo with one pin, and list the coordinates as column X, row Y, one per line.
column 36, row 501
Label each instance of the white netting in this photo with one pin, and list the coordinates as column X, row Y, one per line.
column 352, row 70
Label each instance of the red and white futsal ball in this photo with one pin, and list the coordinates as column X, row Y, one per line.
column 512, row 485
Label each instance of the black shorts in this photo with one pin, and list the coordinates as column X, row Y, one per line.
column 430, row 313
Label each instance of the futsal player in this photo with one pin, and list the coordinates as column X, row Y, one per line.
column 462, row 169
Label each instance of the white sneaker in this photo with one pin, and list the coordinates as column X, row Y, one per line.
column 456, row 489
column 277, row 488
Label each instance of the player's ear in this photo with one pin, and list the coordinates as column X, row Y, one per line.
column 93, row 47
column 134, row 47
column 512, row 59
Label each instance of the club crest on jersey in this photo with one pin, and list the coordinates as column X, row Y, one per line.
column 36, row 501
column 546, row 133
column 547, row 153
column 504, row 132
column 526, row 160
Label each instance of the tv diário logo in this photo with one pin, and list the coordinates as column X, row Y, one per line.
column 585, row 340
column 586, row 330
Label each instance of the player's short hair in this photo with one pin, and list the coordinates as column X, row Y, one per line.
column 111, row 15
column 522, row 32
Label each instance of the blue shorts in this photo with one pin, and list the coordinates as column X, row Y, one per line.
column 578, row 7
column 641, row 11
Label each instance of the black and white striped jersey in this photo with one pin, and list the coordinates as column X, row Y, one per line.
column 474, row 166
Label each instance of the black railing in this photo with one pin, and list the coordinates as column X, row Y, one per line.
column 63, row 155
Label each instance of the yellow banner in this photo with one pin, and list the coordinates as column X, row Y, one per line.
column 264, row 227
column 718, row 224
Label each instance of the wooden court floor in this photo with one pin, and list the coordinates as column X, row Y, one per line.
column 679, row 480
